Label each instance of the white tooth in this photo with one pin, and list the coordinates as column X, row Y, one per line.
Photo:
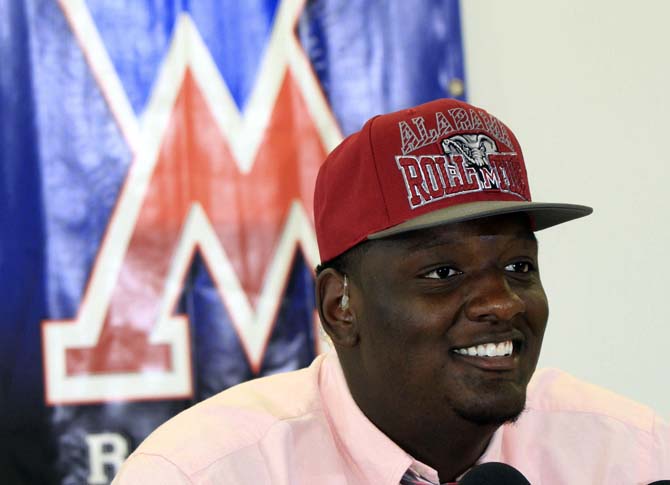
column 488, row 350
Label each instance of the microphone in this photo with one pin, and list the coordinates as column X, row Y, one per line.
column 660, row 482
column 493, row 473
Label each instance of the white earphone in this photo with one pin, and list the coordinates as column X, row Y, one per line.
column 344, row 302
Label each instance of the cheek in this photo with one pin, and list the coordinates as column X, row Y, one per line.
column 381, row 341
column 537, row 310
column 409, row 321
column 399, row 338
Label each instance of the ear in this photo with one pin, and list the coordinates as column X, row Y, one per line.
column 337, row 316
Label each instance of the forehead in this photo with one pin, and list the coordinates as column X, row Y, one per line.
column 506, row 228
column 512, row 226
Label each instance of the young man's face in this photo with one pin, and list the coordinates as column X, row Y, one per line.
column 451, row 322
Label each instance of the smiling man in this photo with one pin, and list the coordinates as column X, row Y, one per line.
column 446, row 324
column 430, row 291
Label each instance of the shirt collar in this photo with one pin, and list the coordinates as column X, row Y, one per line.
column 425, row 471
column 377, row 459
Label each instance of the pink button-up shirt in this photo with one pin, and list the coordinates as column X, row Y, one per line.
column 304, row 427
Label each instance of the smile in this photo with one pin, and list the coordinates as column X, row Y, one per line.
column 500, row 349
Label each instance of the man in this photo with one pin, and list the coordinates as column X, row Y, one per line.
column 430, row 292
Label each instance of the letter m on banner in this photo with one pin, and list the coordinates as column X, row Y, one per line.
column 218, row 168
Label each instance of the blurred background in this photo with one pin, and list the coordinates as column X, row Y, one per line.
column 156, row 177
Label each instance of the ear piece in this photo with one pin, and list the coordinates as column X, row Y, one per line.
column 344, row 302
column 334, row 303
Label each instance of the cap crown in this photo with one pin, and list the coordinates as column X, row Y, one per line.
column 405, row 164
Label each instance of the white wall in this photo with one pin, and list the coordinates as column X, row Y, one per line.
column 584, row 85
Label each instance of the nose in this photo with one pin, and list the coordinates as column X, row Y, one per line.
column 491, row 299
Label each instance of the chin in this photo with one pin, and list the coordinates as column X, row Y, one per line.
column 504, row 406
column 493, row 416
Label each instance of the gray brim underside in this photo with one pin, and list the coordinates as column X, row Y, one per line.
column 543, row 214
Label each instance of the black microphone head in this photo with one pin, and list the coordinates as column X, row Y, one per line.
column 493, row 473
column 660, row 482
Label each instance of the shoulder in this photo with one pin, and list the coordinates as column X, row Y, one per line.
column 235, row 421
column 572, row 425
column 553, row 391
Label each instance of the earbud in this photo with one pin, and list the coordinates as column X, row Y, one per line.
column 344, row 302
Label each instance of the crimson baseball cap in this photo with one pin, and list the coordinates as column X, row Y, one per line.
column 437, row 163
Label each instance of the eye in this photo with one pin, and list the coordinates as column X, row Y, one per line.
column 520, row 267
column 442, row 273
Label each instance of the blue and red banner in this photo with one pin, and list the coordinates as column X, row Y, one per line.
column 158, row 162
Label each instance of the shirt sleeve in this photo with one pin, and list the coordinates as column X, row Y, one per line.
column 141, row 469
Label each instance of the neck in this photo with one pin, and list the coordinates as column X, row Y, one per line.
column 443, row 440
column 451, row 451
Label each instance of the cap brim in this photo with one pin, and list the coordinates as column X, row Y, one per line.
column 543, row 215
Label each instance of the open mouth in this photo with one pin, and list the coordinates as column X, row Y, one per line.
column 491, row 349
column 491, row 356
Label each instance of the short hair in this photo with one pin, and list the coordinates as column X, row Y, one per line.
column 345, row 262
